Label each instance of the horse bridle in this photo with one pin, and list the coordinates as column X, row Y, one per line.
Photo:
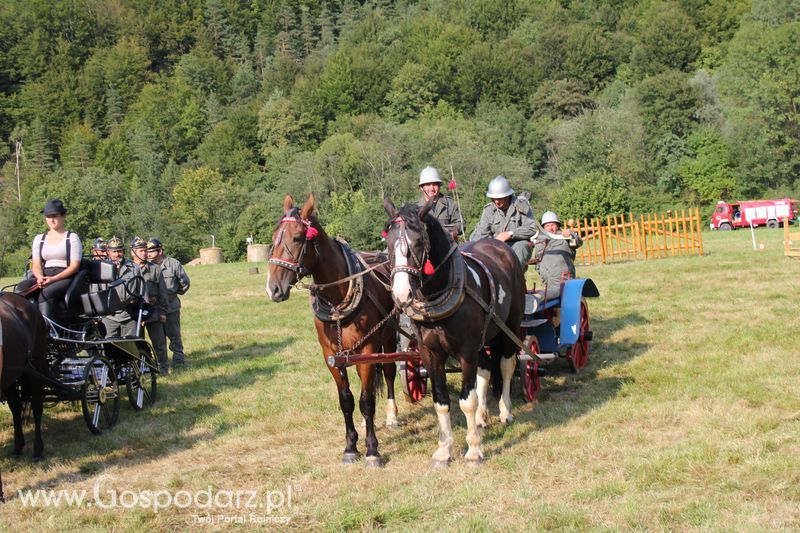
column 296, row 264
column 408, row 269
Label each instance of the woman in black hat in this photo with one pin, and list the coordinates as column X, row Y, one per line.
column 56, row 258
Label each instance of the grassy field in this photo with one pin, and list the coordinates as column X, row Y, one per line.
column 687, row 417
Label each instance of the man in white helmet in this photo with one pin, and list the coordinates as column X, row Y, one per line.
column 555, row 258
column 508, row 218
column 444, row 209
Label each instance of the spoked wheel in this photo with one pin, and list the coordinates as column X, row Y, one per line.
column 415, row 380
column 529, row 375
column 100, row 395
column 141, row 380
column 578, row 354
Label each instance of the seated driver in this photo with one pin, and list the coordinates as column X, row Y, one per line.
column 555, row 258
column 508, row 218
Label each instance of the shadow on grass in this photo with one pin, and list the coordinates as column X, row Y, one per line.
column 182, row 417
column 563, row 397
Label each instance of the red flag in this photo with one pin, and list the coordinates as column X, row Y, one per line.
column 452, row 185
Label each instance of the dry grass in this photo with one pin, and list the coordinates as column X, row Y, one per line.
column 687, row 417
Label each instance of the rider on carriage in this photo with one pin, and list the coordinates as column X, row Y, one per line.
column 508, row 218
column 444, row 209
column 555, row 258
column 120, row 323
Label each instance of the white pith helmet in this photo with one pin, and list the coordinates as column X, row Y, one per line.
column 429, row 175
column 550, row 216
column 499, row 188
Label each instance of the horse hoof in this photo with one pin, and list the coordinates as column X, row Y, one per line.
column 437, row 464
column 16, row 454
column 37, row 458
column 507, row 419
column 392, row 424
column 349, row 458
column 373, row 462
column 473, row 463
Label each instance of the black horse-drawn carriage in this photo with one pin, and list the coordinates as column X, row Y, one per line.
column 81, row 365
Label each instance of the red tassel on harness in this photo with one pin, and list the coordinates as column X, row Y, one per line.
column 428, row 269
column 311, row 233
column 384, row 234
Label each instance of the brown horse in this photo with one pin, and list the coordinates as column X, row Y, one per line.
column 301, row 247
column 24, row 354
column 448, row 293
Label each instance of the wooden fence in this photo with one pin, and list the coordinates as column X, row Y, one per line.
column 791, row 240
column 651, row 236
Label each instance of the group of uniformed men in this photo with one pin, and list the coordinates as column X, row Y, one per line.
column 164, row 280
column 509, row 218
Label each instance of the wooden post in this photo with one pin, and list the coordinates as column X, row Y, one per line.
column 602, row 233
column 785, row 236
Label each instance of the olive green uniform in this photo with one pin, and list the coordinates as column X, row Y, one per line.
column 121, row 323
column 556, row 262
column 177, row 282
column 517, row 218
column 447, row 213
column 156, row 296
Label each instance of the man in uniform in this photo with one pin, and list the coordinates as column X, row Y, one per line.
column 556, row 257
column 444, row 209
column 121, row 324
column 156, row 295
column 177, row 283
column 507, row 218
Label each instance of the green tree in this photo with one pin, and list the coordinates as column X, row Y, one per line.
column 708, row 172
column 668, row 39
column 595, row 194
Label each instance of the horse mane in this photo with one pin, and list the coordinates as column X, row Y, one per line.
column 438, row 240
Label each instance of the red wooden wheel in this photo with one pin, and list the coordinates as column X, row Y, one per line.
column 415, row 380
column 529, row 375
column 578, row 355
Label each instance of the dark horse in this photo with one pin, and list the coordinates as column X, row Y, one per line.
column 299, row 247
column 448, row 293
column 24, row 353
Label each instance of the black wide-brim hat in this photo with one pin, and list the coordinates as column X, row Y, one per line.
column 54, row 207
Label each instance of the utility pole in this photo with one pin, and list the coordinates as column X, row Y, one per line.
column 17, row 173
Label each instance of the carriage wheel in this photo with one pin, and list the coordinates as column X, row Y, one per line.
column 578, row 354
column 99, row 395
column 141, row 382
column 415, row 380
column 529, row 375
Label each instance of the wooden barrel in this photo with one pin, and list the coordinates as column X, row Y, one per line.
column 257, row 253
column 211, row 256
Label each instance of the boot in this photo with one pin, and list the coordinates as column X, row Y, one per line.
column 46, row 308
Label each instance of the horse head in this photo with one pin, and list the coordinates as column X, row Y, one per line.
column 292, row 258
column 409, row 244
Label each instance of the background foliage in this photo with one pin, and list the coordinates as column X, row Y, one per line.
column 186, row 119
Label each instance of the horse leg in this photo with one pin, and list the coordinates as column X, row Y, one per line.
column 484, row 376
column 37, row 406
column 347, row 404
column 441, row 404
column 389, row 374
column 366, row 404
column 15, row 406
column 468, row 401
column 507, row 366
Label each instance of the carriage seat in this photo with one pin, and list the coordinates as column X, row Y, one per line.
column 101, row 298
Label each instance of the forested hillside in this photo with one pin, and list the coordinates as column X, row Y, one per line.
column 186, row 118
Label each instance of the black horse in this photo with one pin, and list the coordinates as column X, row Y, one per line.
column 451, row 294
column 301, row 247
column 24, row 355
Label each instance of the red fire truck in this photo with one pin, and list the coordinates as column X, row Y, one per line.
column 770, row 213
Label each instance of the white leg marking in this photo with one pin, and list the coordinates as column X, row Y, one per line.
column 501, row 294
column 475, row 276
column 484, row 380
column 443, row 455
column 507, row 365
column 391, row 414
column 470, row 407
column 401, row 286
